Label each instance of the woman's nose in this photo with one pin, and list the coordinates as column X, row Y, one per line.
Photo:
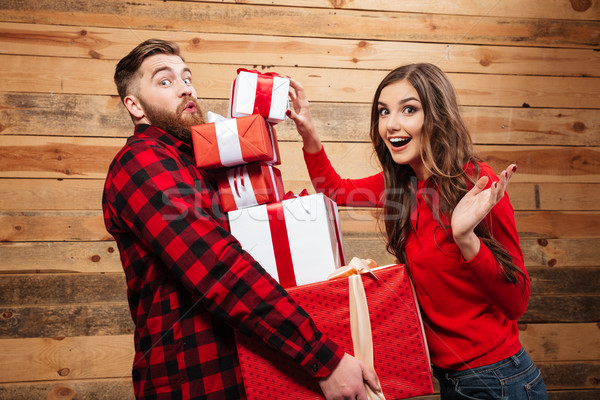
column 393, row 122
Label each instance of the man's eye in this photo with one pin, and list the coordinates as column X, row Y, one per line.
column 165, row 82
column 188, row 81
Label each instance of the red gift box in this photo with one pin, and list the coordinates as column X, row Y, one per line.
column 399, row 350
column 233, row 142
column 249, row 185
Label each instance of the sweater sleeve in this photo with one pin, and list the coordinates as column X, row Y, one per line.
column 510, row 298
column 364, row 192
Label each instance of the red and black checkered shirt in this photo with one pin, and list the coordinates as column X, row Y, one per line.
column 189, row 282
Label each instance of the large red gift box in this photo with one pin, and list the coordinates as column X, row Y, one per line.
column 235, row 141
column 400, row 354
column 249, row 185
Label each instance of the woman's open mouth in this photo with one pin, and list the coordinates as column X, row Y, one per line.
column 398, row 143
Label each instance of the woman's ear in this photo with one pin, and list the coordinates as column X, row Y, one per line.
column 133, row 105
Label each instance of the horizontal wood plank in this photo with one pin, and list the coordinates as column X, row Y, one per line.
column 121, row 389
column 565, row 281
column 69, row 320
column 65, row 288
column 275, row 51
column 559, row 9
column 86, row 194
column 47, row 289
column 103, row 257
column 53, row 226
column 79, row 157
column 266, row 20
column 66, row 358
column 559, row 253
column 561, row 308
column 72, row 389
column 69, row 115
column 561, row 342
column 40, row 359
column 50, row 257
column 571, row 375
column 114, row 318
column 89, row 225
column 59, row 75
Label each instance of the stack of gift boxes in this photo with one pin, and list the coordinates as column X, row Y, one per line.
column 243, row 151
column 297, row 239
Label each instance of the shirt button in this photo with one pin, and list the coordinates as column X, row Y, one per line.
column 315, row 367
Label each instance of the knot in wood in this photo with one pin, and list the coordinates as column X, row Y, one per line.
column 579, row 126
column 581, row 5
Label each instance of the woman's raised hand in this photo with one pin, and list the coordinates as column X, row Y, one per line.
column 473, row 208
column 300, row 114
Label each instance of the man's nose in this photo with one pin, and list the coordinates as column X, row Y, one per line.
column 184, row 89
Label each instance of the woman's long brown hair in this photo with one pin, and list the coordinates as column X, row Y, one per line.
column 447, row 149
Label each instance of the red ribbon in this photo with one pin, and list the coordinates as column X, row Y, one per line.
column 338, row 238
column 257, row 72
column 264, row 91
column 291, row 195
column 281, row 245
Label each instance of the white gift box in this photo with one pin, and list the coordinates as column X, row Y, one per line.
column 256, row 93
column 297, row 241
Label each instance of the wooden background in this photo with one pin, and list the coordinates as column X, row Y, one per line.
column 527, row 74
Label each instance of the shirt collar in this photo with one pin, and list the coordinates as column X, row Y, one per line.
column 145, row 130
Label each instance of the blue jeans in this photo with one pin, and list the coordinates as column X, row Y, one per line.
column 513, row 378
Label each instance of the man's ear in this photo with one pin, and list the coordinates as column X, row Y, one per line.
column 133, row 105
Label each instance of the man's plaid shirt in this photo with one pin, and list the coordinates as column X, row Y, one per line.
column 189, row 282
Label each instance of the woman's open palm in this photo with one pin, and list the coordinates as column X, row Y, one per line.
column 478, row 202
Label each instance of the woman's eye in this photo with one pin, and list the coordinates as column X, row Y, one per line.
column 409, row 110
column 383, row 112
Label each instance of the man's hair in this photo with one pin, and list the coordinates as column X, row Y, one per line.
column 128, row 67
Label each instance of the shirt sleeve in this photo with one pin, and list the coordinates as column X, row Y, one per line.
column 364, row 192
column 510, row 298
column 171, row 211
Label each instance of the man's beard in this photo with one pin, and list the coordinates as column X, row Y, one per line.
column 177, row 124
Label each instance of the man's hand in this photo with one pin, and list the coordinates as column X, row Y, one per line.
column 347, row 380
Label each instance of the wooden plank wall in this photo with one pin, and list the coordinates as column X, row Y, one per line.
column 527, row 74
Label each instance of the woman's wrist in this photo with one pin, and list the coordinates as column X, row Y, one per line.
column 468, row 244
column 311, row 145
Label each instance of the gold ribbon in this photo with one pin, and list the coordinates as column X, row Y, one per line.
column 360, row 323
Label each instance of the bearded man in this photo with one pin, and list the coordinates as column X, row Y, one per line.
column 189, row 282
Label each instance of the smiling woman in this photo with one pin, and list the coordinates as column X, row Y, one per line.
column 401, row 119
column 447, row 219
